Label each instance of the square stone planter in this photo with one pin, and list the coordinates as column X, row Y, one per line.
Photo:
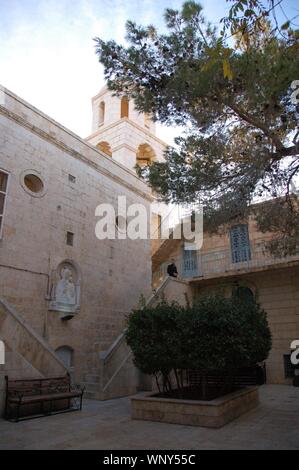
column 212, row 414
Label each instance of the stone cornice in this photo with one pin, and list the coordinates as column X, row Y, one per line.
column 68, row 149
column 121, row 146
column 101, row 130
column 102, row 92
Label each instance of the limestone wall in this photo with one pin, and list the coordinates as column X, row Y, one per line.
column 27, row 355
column 278, row 293
column 173, row 290
column 114, row 273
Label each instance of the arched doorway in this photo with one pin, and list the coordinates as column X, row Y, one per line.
column 66, row 355
column 244, row 293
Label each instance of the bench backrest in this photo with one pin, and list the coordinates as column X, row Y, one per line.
column 43, row 386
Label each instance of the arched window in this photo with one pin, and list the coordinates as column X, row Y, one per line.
column 124, row 107
column 105, row 147
column 101, row 113
column 244, row 293
column 145, row 155
column 66, row 355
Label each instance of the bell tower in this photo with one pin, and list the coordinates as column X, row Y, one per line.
column 122, row 133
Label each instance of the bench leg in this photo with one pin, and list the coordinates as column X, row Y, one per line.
column 81, row 399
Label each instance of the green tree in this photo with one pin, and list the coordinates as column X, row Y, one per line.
column 232, row 92
column 216, row 334
column 152, row 336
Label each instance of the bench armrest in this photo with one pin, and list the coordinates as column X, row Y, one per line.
column 77, row 388
column 15, row 394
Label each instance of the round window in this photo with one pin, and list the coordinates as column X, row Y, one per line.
column 32, row 183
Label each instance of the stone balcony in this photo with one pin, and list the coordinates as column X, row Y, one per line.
column 219, row 263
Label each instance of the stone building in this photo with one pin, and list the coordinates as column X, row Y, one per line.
column 237, row 262
column 64, row 294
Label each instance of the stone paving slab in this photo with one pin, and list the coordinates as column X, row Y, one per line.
column 108, row 425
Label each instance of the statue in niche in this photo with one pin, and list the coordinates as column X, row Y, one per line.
column 65, row 290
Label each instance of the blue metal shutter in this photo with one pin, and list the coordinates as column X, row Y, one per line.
column 190, row 263
column 240, row 246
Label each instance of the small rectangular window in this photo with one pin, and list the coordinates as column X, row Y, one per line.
column 3, row 194
column 70, row 238
column 72, row 179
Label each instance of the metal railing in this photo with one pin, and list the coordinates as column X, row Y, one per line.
column 160, row 275
column 223, row 261
column 217, row 262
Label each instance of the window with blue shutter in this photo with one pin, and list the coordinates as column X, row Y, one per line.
column 190, row 263
column 239, row 241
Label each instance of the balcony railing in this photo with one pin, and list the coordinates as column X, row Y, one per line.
column 218, row 262
column 224, row 261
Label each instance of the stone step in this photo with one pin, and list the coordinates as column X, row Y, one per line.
column 92, row 378
column 91, row 386
column 90, row 395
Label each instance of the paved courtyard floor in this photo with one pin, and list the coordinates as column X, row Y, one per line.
column 108, row 425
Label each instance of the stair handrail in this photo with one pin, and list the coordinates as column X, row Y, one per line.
column 12, row 311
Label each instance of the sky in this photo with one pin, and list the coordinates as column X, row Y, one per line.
column 47, row 53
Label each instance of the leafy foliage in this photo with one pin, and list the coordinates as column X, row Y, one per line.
column 214, row 334
column 234, row 99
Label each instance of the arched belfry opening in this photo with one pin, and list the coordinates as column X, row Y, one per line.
column 101, row 113
column 105, row 148
column 145, row 155
column 124, row 107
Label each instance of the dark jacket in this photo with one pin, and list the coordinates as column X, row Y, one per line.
column 172, row 270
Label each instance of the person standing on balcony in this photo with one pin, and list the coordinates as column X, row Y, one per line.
column 172, row 269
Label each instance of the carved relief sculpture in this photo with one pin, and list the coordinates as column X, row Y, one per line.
column 65, row 290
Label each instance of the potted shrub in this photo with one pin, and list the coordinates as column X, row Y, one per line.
column 216, row 335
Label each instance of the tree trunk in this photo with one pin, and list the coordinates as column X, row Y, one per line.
column 204, row 387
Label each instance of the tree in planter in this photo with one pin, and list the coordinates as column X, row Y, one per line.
column 216, row 334
column 224, row 335
column 152, row 335
column 237, row 101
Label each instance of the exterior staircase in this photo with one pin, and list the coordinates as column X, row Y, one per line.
column 161, row 254
column 116, row 375
column 27, row 354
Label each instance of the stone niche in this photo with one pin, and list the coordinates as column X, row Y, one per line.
column 65, row 288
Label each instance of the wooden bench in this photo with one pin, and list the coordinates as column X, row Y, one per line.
column 39, row 397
